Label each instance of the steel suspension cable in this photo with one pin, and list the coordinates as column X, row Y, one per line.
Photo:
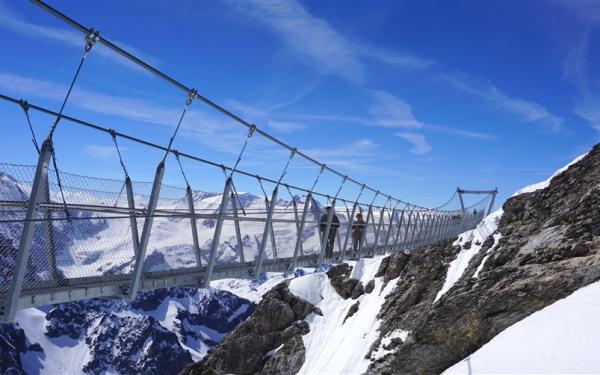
column 25, row 107
column 188, row 101
column 181, row 86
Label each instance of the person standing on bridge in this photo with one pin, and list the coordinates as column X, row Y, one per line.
column 358, row 229
column 335, row 223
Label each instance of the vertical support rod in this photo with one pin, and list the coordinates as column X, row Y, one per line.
column 407, row 229
column 297, row 220
column 387, row 236
column 26, row 241
column 135, row 236
column 363, row 241
column 462, row 202
column 377, row 231
column 140, row 256
column 400, row 222
column 349, row 231
column 298, row 246
column 266, row 231
column 273, row 244
column 212, row 257
column 238, row 231
column 491, row 207
column 196, row 243
column 48, row 229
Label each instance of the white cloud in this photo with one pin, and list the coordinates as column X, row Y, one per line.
column 390, row 111
column 420, row 146
column 589, row 109
column 524, row 110
column 309, row 37
column 285, row 127
column 396, row 59
column 101, row 152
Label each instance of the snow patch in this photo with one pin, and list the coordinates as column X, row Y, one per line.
column 497, row 237
column 562, row 338
column 476, row 237
column 544, row 184
column 387, row 340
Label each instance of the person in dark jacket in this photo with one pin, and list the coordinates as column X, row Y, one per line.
column 335, row 224
column 358, row 229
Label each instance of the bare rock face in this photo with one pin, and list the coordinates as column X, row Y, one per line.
column 346, row 287
column 251, row 347
column 550, row 247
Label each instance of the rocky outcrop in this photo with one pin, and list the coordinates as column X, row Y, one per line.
column 550, row 247
column 268, row 342
column 13, row 344
column 344, row 285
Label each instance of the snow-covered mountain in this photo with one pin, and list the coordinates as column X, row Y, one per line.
column 518, row 294
column 157, row 333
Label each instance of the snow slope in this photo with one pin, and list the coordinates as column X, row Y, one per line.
column 562, row 338
column 544, row 184
column 332, row 345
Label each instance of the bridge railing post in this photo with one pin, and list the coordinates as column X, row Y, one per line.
column 49, row 232
column 300, row 228
column 407, row 230
column 214, row 246
column 491, row 207
column 400, row 222
column 348, row 232
column 438, row 221
column 272, row 233
column 442, row 229
column 325, row 239
column 26, row 241
column 140, row 256
column 363, row 241
column 387, row 235
column 135, row 237
column 266, row 232
column 195, row 242
column 238, row 231
column 297, row 220
column 377, row 231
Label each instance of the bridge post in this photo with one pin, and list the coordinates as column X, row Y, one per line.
column 196, row 243
column 389, row 231
column 437, row 227
column 325, row 239
column 140, row 256
column 48, row 229
column 377, row 231
column 349, row 231
column 363, row 240
column 217, row 235
column 415, row 240
column 266, row 231
column 298, row 247
column 297, row 220
column 443, row 227
column 400, row 221
column 26, row 241
column 462, row 202
column 407, row 229
column 424, row 238
column 238, row 231
column 273, row 244
column 491, row 207
column 135, row 237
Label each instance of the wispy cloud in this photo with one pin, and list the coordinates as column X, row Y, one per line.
column 316, row 42
column 420, row 146
column 101, row 151
column 286, row 127
column 588, row 11
column 391, row 111
column 13, row 21
column 308, row 37
column 524, row 110
column 589, row 109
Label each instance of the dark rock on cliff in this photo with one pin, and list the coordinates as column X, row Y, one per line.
column 13, row 344
column 550, row 247
column 248, row 349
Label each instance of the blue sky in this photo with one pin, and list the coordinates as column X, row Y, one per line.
column 412, row 97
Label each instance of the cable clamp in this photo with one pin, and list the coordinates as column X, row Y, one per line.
column 91, row 38
column 191, row 96
column 323, row 166
column 293, row 153
column 251, row 130
column 24, row 104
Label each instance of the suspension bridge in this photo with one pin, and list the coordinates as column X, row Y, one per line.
column 65, row 237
